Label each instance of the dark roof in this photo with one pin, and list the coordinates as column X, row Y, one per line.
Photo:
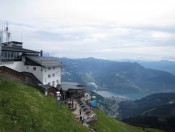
column 45, row 87
column 14, row 42
column 72, row 86
column 45, row 61
column 33, row 77
column 17, row 42
column 15, row 49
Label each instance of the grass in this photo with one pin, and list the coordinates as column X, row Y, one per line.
column 108, row 124
column 24, row 108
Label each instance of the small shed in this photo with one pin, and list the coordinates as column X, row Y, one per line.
column 49, row 90
column 72, row 89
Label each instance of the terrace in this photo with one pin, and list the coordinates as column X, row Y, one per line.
column 78, row 102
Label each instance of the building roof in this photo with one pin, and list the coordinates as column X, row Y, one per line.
column 16, row 49
column 72, row 86
column 13, row 42
column 45, row 87
column 45, row 61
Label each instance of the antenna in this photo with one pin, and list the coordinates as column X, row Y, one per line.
column 7, row 33
column 1, row 34
column 1, row 40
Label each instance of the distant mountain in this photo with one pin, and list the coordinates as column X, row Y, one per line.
column 164, row 65
column 155, row 111
column 125, row 78
column 163, row 111
column 165, row 124
column 160, row 105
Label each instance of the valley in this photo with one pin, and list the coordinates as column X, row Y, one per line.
column 128, row 79
column 127, row 91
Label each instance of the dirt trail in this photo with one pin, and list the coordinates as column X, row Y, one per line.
column 76, row 112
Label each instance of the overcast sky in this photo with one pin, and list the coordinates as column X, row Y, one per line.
column 108, row 29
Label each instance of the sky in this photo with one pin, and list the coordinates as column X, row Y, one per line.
column 106, row 29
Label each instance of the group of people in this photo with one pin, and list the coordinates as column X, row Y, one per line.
column 88, row 115
column 81, row 117
column 71, row 104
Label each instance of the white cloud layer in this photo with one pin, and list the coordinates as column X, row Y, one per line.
column 109, row 29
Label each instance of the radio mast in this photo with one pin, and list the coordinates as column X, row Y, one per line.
column 1, row 39
column 1, row 34
column 7, row 33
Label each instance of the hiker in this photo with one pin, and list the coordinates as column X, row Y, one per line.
column 75, row 106
column 80, row 118
column 80, row 111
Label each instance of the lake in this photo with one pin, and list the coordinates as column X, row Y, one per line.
column 107, row 94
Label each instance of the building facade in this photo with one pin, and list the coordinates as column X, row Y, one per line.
column 46, row 69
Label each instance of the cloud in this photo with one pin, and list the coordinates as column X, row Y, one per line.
column 162, row 35
column 111, row 29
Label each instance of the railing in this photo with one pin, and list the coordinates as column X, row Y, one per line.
column 21, row 76
column 32, row 77
column 6, row 63
column 35, row 80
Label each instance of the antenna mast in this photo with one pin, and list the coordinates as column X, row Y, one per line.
column 7, row 33
column 1, row 40
column 1, row 34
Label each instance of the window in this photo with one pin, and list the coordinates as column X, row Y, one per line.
column 12, row 55
column 15, row 54
column 53, row 75
column 8, row 54
column 49, row 68
column 34, row 68
column 27, row 67
column 49, row 76
column 5, row 54
column 49, row 83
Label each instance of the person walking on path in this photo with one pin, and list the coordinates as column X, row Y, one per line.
column 80, row 111
column 82, row 120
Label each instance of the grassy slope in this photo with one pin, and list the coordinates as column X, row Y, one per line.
column 23, row 108
column 108, row 124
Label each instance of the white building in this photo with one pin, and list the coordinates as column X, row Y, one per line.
column 27, row 65
column 46, row 69
column 43, row 70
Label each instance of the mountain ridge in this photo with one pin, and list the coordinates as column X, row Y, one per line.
column 125, row 78
column 145, row 105
column 156, row 111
